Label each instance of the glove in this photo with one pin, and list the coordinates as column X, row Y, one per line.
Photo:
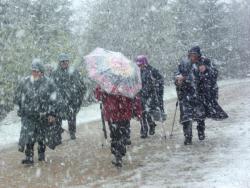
column 51, row 119
column 164, row 116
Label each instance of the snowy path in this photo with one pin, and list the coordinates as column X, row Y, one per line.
column 10, row 127
column 223, row 160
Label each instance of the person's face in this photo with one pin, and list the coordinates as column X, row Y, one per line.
column 142, row 66
column 64, row 64
column 194, row 58
column 202, row 68
column 36, row 74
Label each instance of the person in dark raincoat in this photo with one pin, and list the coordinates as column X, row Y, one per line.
column 36, row 98
column 208, row 91
column 71, row 87
column 151, row 95
column 191, row 105
column 118, row 111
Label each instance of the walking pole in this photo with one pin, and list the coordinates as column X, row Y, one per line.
column 176, row 106
column 103, row 126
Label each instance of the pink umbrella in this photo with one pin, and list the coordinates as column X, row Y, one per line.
column 113, row 72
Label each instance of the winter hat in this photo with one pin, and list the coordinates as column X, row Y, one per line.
column 195, row 50
column 141, row 60
column 37, row 65
column 63, row 57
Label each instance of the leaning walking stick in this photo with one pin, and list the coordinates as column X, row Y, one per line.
column 103, row 125
column 176, row 106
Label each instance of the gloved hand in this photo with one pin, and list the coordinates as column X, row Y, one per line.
column 138, row 118
column 164, row 116
column 51, row 119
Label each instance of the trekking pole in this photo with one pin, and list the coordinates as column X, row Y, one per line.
column 103, row 126
column 176, row 106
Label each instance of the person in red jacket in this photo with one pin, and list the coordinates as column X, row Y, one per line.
column 118, row 111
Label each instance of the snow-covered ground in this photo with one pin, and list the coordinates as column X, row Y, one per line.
column 10, row 126
column 221, row 161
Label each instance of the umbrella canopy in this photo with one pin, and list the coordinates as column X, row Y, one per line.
column 113, row 72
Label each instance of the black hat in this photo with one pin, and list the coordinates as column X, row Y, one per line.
column 195, row 50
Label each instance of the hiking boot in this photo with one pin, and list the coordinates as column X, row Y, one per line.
column 72, row 136
column 201, row 134
column 187, row 129
column 201, row 130
column 188, row 140
column 152, row 129
column 144, row 135
column 128, row 142
column 117, row 162
column 28, row 161
column 41, row 156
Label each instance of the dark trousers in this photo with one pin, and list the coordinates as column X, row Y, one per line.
column 119, row 132
column 29, row 151
column 187, row 127
column 146, row 122
column 72, row 124
column 201, row 125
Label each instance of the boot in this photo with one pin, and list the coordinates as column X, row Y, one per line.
column 29, row 153
column 152, row 129
column 127, row 141
column 187, row 129
column 188, row 140
column 201, row 132
column 41, row 156
column 72, row 136
column 144, row 135
column 117, row 151
column 117, row 161
column 28, row 161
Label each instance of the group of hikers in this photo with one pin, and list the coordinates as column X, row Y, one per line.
column 45, row 101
